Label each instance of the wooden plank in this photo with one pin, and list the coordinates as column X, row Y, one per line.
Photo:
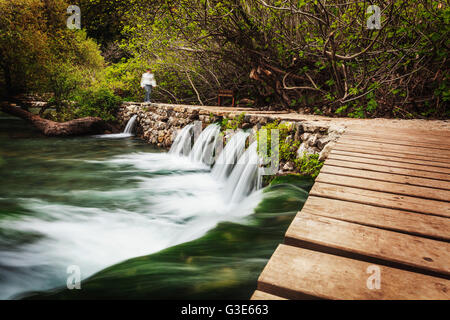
column 394, row 142
column 360, row 155
column 408, row 250
column 396, row 220
column 260, row 295
column 347, row 162
column 439, row 140
column 390, row 153
column 396, row 139
column 393, row 164
column 404, row 131
column 381, row 199
column 384, row 186
column 425, row 134
column 351, row 139
column 440, row 154
column 296, row 272
column 388, row 177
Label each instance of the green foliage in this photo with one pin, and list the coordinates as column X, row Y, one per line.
column 341, row 109
column 318, row 111
column 124, row 79
column 103, row 19
column 39, row 54
column 23, row 43
column 357, row 112
column 197, row 47
column 219, row 43
column 309, row 164
column 371, row 103
column 287, row 146
column 232, row 124
column 97, row 103
column 63, row 80
column 283, row 132
column 443, row 91
column 354, row 110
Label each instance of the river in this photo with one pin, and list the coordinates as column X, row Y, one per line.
column 137, row 221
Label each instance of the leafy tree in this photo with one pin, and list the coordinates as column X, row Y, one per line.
column 312, row 56
column 39, row 54
column 23, row 40
column 309, row 55
column 97, row 102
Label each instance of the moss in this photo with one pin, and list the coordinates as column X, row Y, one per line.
column 307, row 165
column 287, row 151
column 232, row 124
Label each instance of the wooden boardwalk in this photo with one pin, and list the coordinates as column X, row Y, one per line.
column 379, row 210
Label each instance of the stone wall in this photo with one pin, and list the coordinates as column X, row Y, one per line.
column 158, row 124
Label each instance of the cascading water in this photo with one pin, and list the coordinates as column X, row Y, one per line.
column 236, row 167
column 204, row 147
column 127, row 132
column 245, row 177
column 183, row 142
column 230, row 155
column 130, row 125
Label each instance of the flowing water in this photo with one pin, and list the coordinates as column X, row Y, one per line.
column 127, row 132
column 203, row 149
column 182, row 144
column 232, row 153
column 139, row 222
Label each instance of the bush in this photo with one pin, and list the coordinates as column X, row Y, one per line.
column 101, row 103
column 232, row 124
column 288, row 149
column 124, row 79
column 309, row 164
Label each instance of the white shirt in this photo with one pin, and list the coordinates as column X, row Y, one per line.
column 148, row 79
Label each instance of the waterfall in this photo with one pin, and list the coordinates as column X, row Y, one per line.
column 230, row 155
column 236, row 167
column 245, row 177
column 128, row 132
column 183, row 142
column 130, row 125
column 203, row 150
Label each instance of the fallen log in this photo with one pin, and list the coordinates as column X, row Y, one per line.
column 77, row 127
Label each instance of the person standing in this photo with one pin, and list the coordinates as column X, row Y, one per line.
column 148, row 82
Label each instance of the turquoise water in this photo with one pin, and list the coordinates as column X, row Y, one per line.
column 138, row 222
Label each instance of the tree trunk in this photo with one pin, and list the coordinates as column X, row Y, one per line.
column 75, row 127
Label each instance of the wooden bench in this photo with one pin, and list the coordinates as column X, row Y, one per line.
column 225, row 94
